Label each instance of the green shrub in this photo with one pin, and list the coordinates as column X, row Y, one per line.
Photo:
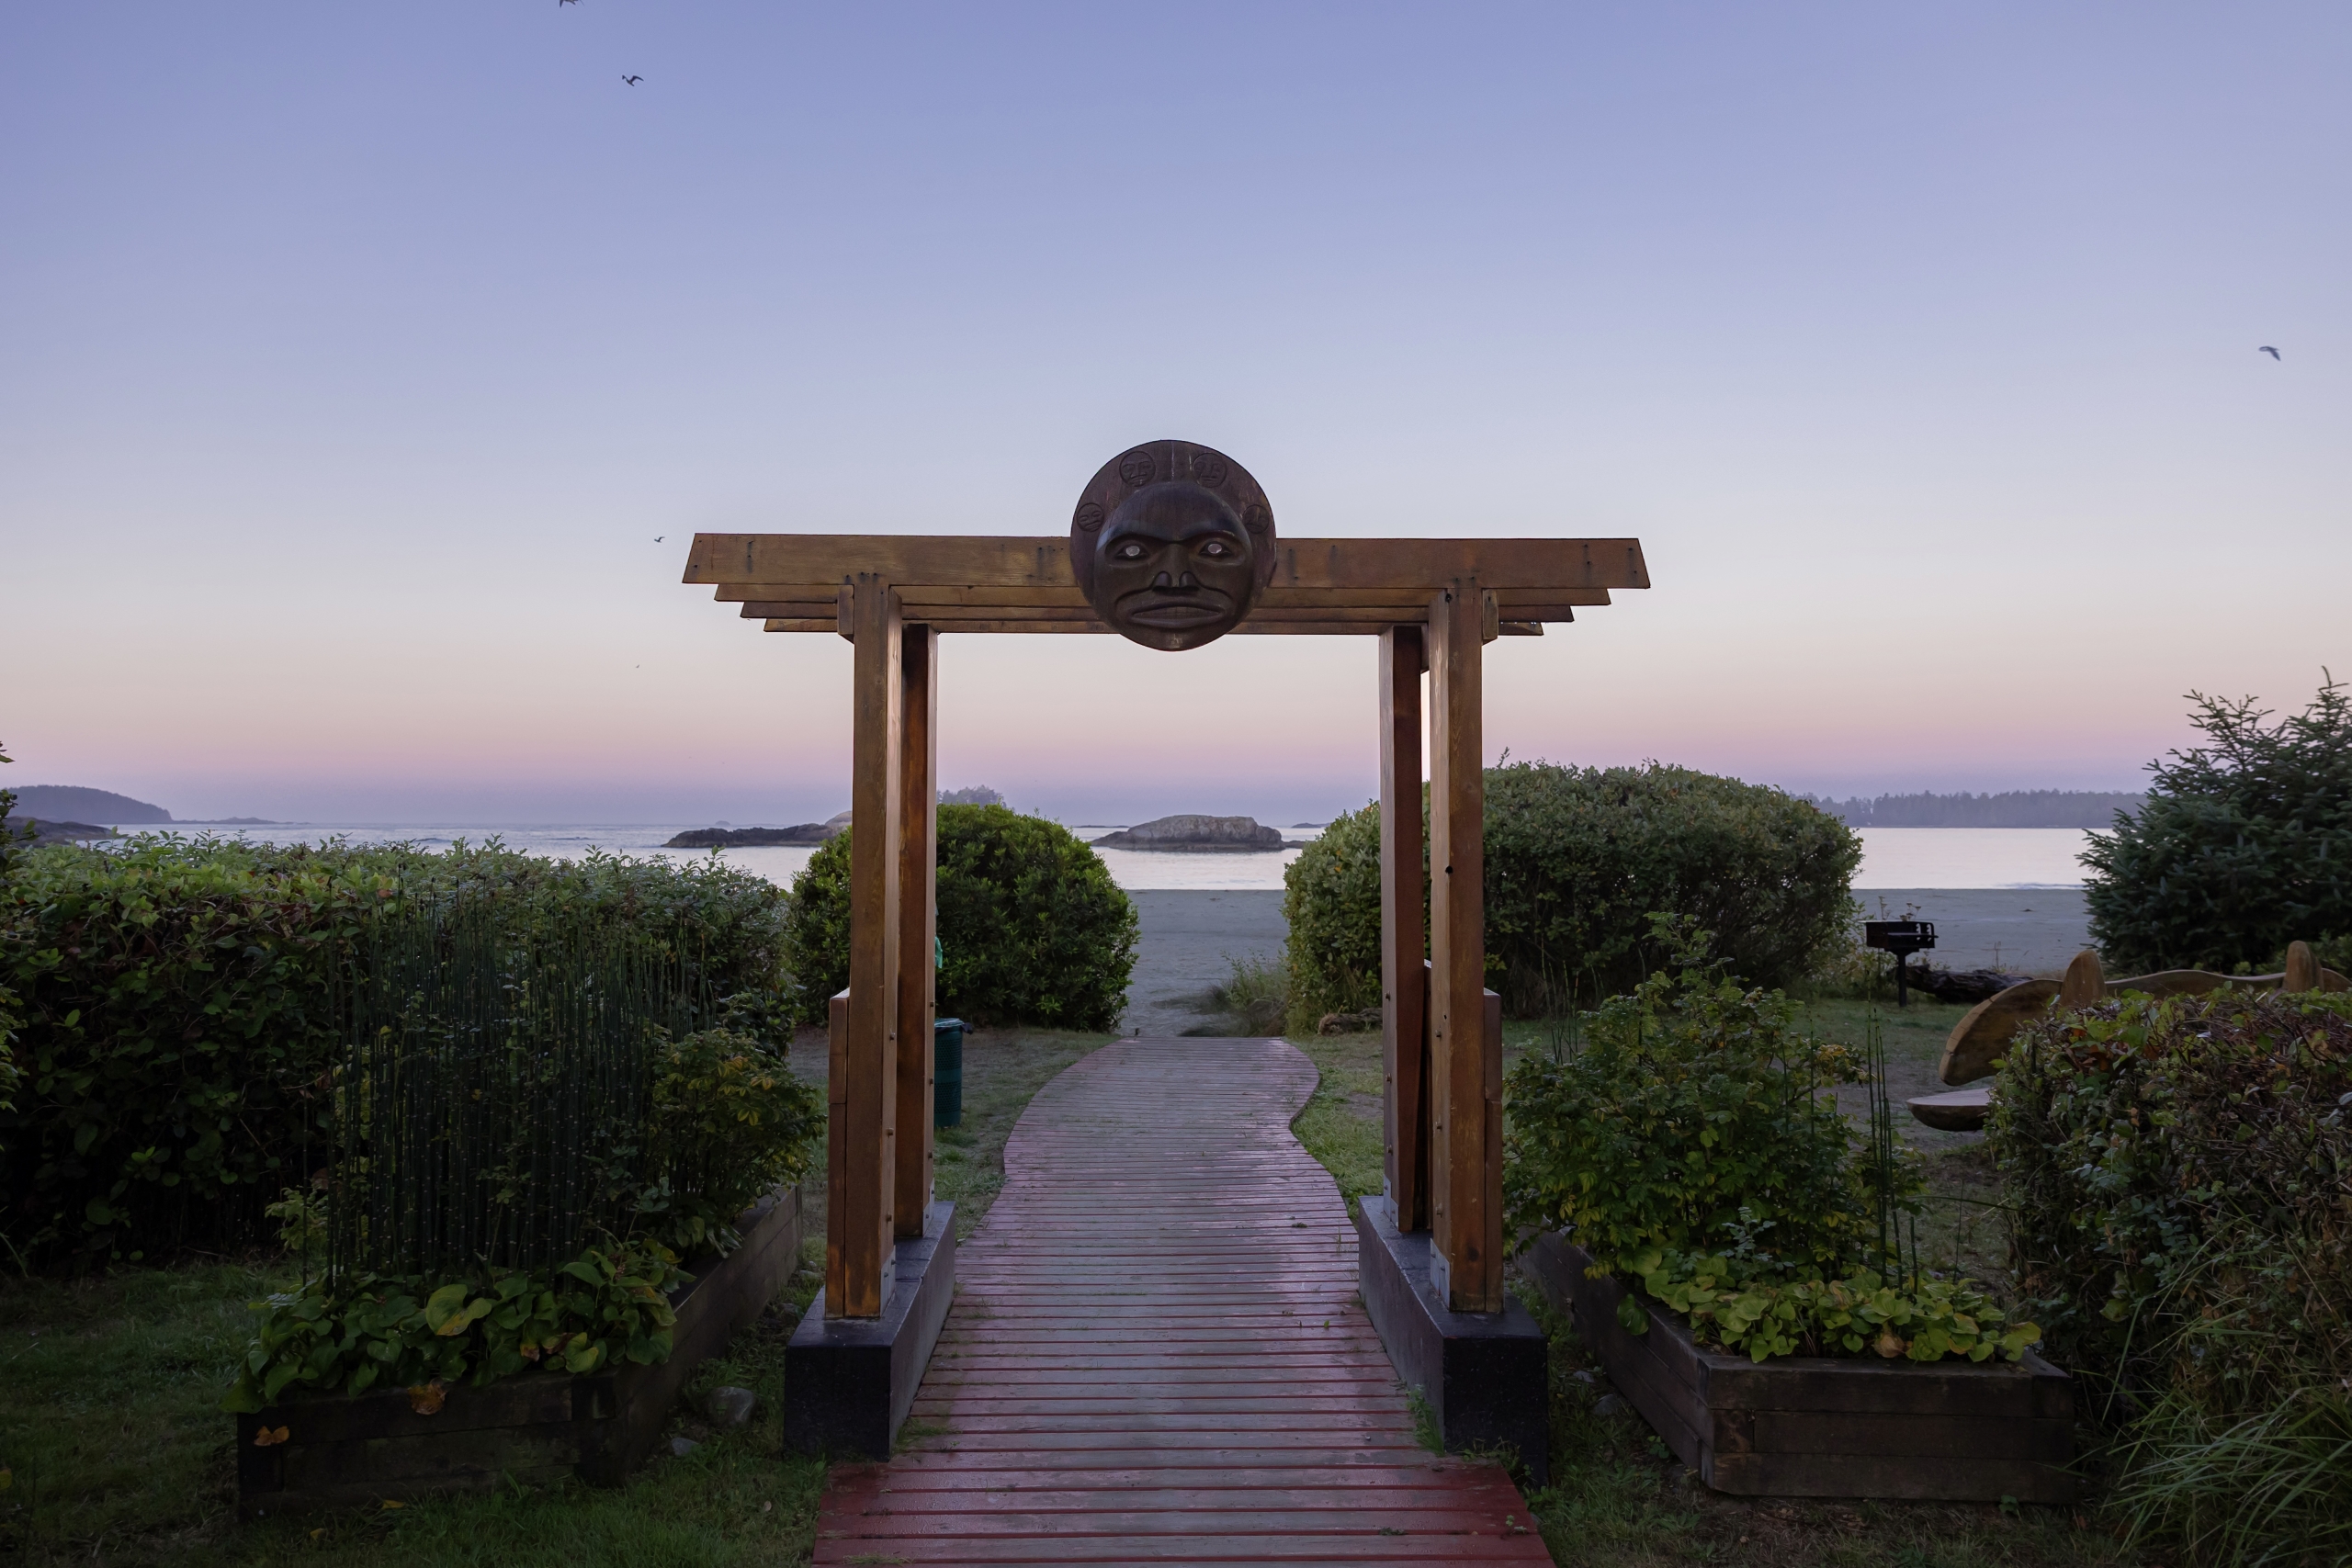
column 2178, row 1178
column 1688, row 1140
column 1577, row 859
column 2241, row 848
column 1032, row 927
column 177, row 998
column 1331, row 900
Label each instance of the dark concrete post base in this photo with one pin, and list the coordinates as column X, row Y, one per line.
column 848, row 1382
column 1482, row 1372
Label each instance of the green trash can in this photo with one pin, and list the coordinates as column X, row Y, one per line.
column 947, row 1073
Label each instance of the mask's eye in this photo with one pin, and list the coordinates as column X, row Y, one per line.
column 1128, row 551
column 1216, row 549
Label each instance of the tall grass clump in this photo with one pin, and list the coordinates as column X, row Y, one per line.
column 2179, row 1176
column 1257, row 992
column 526, row 1131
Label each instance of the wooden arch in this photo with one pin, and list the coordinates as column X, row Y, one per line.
column 1433, row 603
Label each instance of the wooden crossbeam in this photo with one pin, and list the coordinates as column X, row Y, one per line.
column 1255, row 627
column 1406, row 603
column 915, row 561
column 948, row 616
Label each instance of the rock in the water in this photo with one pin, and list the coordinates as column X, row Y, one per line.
column 751, row 838
column 1196, row 833
column 730, row 1406
column 681, row 1447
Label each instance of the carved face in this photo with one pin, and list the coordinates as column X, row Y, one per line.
column 1173, row 567
column 1172, row 543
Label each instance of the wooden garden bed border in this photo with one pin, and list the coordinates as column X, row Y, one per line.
column 342, row 1450
column 1826, row 1427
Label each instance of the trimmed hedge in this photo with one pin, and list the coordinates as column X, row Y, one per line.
column 1033, row 929
column 179, row 1003
column 1577, row 859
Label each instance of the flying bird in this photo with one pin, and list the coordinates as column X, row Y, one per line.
column 2266, row 348
column 659, row 537
column 632, row 81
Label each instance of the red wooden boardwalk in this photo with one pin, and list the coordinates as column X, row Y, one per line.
column 1157, row 1357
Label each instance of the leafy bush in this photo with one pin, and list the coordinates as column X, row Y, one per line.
column 348, row 1336
column 179, row 1006
column 1033, row 929
column 2241, row 848
column 1331, row 900
column 1686, row 1140
column 2179, row 1178
column 1577, row 859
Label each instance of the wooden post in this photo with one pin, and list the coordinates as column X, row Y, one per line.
column 1465, row 1063
column 2302, row 968
column 918, row 923
column 859, row 1224
column 1404, row 995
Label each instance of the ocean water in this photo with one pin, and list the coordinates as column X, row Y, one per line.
column 1891, row 857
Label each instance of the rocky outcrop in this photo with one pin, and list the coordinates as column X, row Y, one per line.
column 1221, row 834
column 751, row 838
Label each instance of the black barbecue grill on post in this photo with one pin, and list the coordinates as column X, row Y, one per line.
column 1901, row 938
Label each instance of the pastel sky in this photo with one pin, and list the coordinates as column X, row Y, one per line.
column 364, row 370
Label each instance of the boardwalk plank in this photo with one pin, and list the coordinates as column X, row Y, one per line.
column 1155, row 1355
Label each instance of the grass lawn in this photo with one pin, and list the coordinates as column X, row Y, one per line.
column 117, row 1452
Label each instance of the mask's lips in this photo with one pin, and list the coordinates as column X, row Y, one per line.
column 1164, row 611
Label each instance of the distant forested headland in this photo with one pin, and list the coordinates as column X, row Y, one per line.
column 2015, row 809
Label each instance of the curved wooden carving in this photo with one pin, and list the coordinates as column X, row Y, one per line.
column 1978, row 1041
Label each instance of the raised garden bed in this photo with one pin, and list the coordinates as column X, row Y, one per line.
column 536, row 1426
column 1826, row 1427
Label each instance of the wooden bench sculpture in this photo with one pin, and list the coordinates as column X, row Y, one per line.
column 1980, row 1039
column 1170, row 545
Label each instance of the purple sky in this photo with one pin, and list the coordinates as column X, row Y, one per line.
column 352, row 357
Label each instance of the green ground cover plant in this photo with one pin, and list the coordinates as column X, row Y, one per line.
column 1032, row 929
column 2180, row 1177
column 1577, row 859
column 1688, row 1141
column 178, row 1000
column 2242, row 847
